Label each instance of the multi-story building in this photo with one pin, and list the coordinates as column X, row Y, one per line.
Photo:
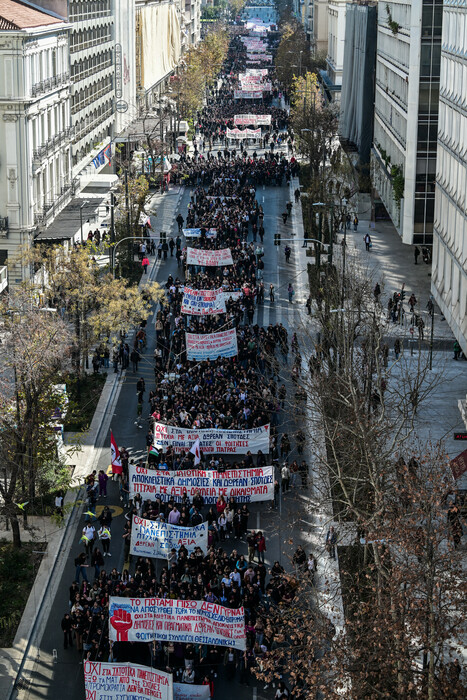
column 406, row 114
column 190, row 11
column 35, row 125
column 92, row 45
column 332, row 77
column 449, row 265
column 319, row 34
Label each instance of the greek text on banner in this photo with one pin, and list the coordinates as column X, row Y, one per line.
column 161, row 619
column 210, row 346
column 201, row 302
column 213, row 441
column 155, row 539
column 245, row 485
column 116, row 681
column 209, row 258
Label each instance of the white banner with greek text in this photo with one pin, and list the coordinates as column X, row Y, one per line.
column 155, row 539
column 103, row 681
column 203, row 302
column 245, row 485
column 161, row 619
column 209, row 258
column 210, row 346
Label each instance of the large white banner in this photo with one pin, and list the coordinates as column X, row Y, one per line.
column 209, row 258
column 243, row 134
column 253, row 71
column 187, row 691
column 202, row 302
column 103, row 681
column 161, row 619
column 210, row 346
column 213, row 441
column 155, row 539
column 253, row 119
column 245, row 485
column 248, row 95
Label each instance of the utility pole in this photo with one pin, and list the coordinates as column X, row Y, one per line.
column 112, row 226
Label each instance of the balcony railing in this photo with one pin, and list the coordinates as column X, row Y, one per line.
column 51, row 206
column 52, row 144
column 49, row 84
column 92, row 42
column 91, row 98
column 92, row 71
column 93, row 125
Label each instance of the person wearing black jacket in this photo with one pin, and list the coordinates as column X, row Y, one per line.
column 67, row 627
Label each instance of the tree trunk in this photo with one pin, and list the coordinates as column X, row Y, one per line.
column 15, row 531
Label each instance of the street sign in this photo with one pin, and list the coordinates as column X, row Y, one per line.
column 121, row 106
column 460, row 436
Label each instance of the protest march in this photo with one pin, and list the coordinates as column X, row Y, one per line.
column 183, row 601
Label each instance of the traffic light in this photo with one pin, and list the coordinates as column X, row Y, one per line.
column 277, row 239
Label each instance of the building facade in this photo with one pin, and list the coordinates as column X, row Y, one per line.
column 406, row 115
column 319, row 35
column 335, row 49
column 357, row 97
column 35, row 125
column 449, row 269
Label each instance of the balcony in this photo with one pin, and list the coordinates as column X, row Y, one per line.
column 100, row 119
column 49, row 84
column 52, row 144
column 51, row 207
column 90, row 99
column 92, row 71
column 91, row 42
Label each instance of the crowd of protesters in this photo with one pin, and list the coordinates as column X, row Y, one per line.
column 234, row 393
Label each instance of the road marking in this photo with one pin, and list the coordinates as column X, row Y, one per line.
column 115, row 510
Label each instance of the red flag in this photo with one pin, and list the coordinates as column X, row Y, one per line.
column 459, row 464
column 115, row 459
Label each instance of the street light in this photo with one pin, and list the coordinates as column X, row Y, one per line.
column 81, row 218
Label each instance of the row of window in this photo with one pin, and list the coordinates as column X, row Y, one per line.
column 450, row 282
column 452, row 177
column 90, row 93
column 90, row 37
column 452, row 128
column 91, row 65
column 453, row 80
column 93, row 119
column 86, row 10
column 391, row 116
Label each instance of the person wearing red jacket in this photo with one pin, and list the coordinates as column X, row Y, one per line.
column 145, row 263
column 260, row 545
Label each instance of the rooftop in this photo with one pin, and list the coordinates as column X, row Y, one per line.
column 17, row 15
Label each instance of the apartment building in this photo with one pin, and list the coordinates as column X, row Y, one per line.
column 406, row 115
column 35, row 125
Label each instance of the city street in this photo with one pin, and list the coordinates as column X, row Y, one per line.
column 63, row 674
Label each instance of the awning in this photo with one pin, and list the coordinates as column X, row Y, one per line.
column 67, row 223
